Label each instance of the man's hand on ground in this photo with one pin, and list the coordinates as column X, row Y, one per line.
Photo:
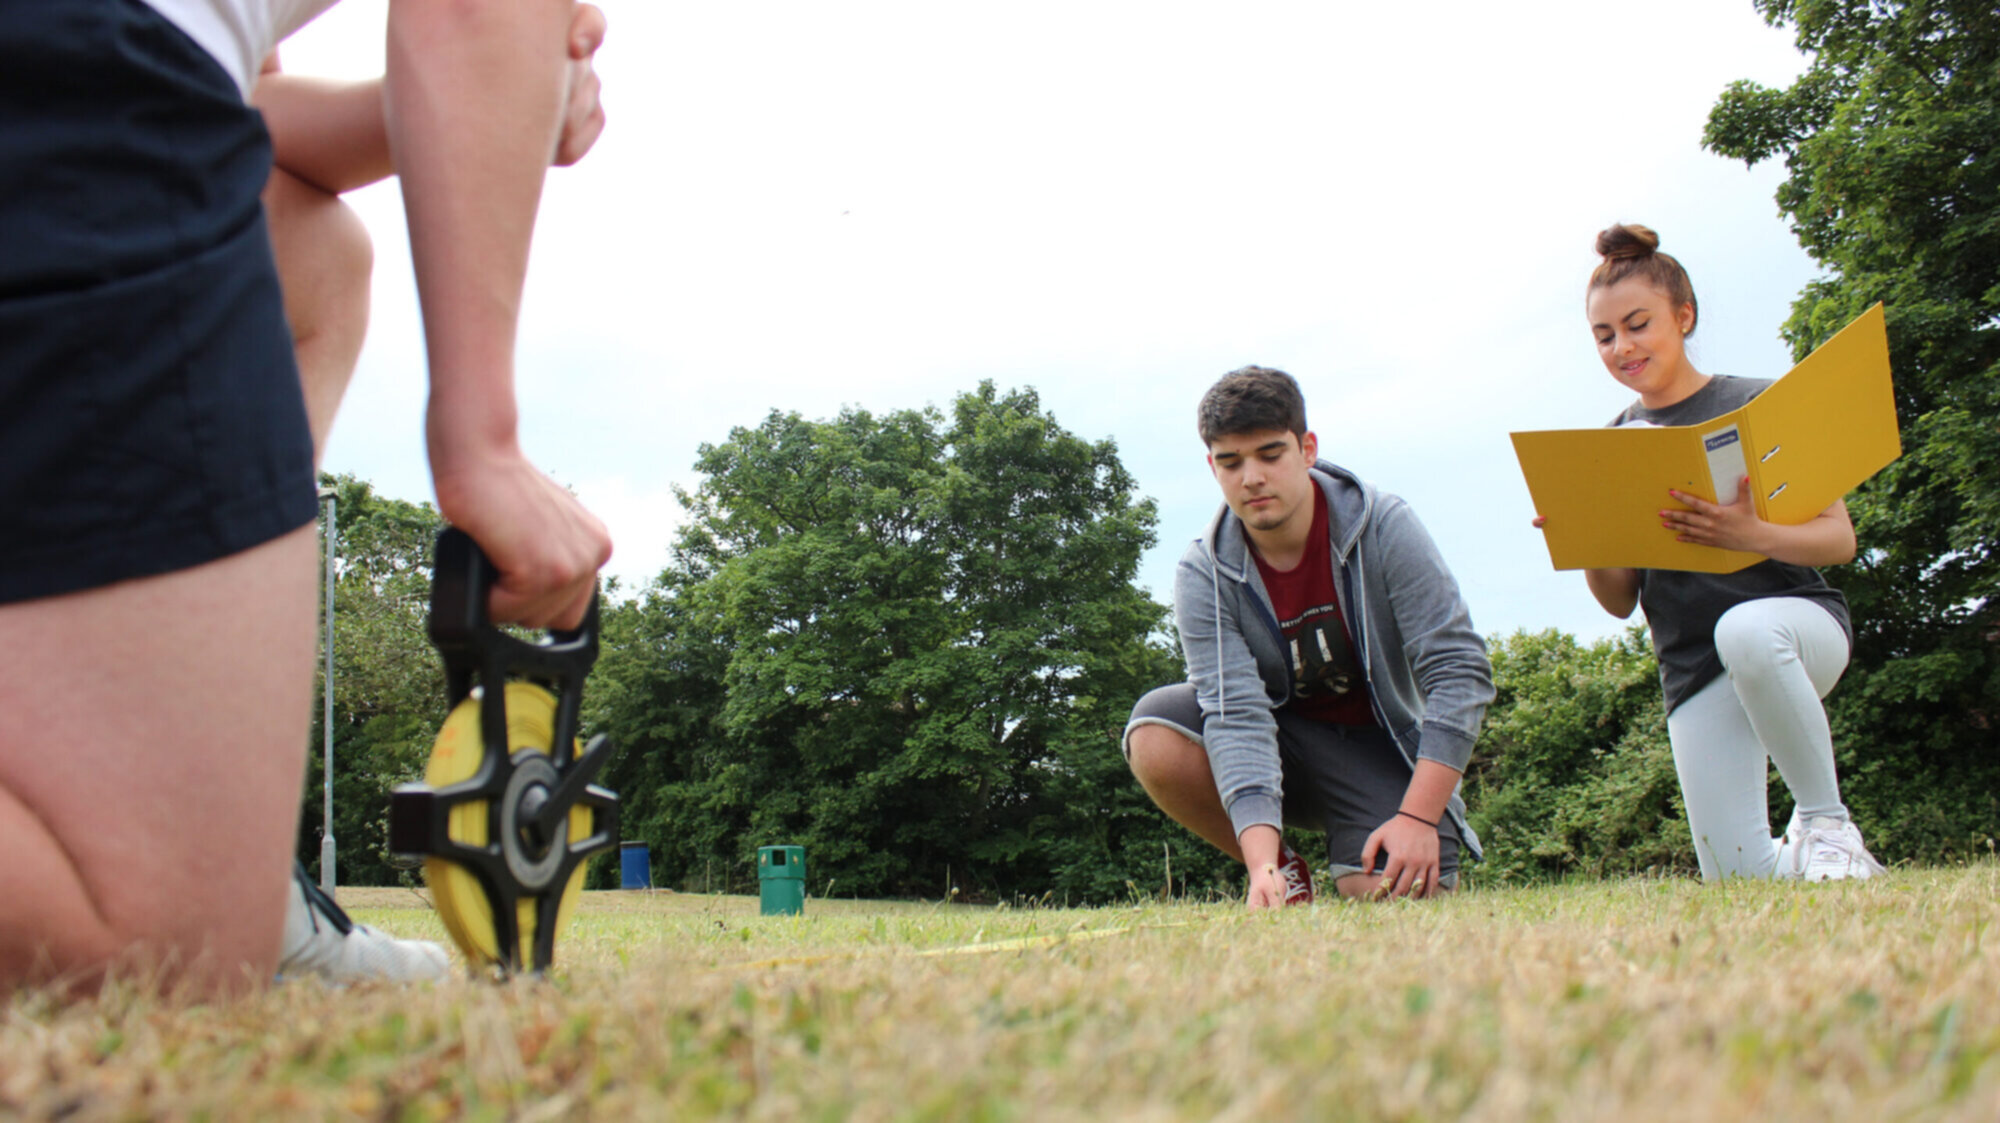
column 1267, row 887
column 1262, row 846
column 1412, row 865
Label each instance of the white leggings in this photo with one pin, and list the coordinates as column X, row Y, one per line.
column 1782, row 655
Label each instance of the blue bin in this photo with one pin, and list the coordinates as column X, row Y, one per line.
column 635, row 865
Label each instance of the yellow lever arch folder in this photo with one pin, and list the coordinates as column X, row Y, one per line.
column 1805, row 441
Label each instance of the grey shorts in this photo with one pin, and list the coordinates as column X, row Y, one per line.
column 1342, row 780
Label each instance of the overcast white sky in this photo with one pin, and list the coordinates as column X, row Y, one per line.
column 805, row 205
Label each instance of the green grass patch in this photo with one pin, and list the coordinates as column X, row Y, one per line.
column 1635, row 999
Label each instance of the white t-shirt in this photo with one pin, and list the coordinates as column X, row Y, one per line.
column 240, row 33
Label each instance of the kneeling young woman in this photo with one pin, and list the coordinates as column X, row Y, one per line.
column 1745, row 657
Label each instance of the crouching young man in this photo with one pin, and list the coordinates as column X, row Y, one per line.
column 1334, row 680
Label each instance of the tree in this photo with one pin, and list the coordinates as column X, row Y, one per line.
column 1894, row 187
column 658, row 694
column 900, row 641
column 388, row 688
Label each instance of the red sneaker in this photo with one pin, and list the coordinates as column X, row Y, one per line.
column 1298, row 879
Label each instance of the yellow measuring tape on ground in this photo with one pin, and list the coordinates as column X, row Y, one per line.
column 985, row 947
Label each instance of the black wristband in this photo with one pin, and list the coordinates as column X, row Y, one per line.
column 1407, row 815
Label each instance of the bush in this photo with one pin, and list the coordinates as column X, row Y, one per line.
column 1574, row 773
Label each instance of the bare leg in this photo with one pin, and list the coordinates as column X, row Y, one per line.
column 150, row 767
column 1358, row 884
column 1174, row 771
column 324, row 262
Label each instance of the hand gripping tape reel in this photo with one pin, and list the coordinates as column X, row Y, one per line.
column 507, row 814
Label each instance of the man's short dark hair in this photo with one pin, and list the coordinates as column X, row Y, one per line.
column 1248, row 400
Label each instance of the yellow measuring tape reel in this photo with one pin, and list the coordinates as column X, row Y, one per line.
column 461, row 901
column 507, row 814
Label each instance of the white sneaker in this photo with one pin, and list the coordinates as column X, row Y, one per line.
column 1828, row 849
column 322, row 940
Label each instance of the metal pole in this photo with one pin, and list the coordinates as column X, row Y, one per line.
column 326, row 848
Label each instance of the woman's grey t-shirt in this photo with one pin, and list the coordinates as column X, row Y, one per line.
column 1682, row 608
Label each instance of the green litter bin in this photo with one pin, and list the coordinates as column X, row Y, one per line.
column 781, row 880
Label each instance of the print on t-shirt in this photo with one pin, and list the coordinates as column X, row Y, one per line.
column 1327, row 680
column 1322, row 662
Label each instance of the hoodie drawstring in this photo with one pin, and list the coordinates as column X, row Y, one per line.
column 1221, row 680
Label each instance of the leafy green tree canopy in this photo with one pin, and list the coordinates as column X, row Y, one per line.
column 388, row 686
column 893, row 639
column 1894, row 187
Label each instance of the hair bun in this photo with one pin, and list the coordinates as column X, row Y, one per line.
column 1631, row 251
column 1624, row 241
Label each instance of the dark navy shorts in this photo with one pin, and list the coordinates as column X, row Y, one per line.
column 151, row 417
column 1343, row 780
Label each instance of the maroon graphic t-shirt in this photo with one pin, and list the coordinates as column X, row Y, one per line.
column 1327, row 683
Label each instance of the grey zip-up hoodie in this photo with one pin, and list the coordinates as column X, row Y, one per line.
column 1426, row 667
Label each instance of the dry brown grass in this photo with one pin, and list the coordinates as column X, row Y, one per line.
column 1633, row 1000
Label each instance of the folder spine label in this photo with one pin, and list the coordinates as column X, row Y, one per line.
column 1726, row 465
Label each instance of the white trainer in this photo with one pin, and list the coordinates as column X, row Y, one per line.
column 322, row 940
column 1829, row 849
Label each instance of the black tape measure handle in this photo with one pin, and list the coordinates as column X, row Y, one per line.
column 462, row 628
